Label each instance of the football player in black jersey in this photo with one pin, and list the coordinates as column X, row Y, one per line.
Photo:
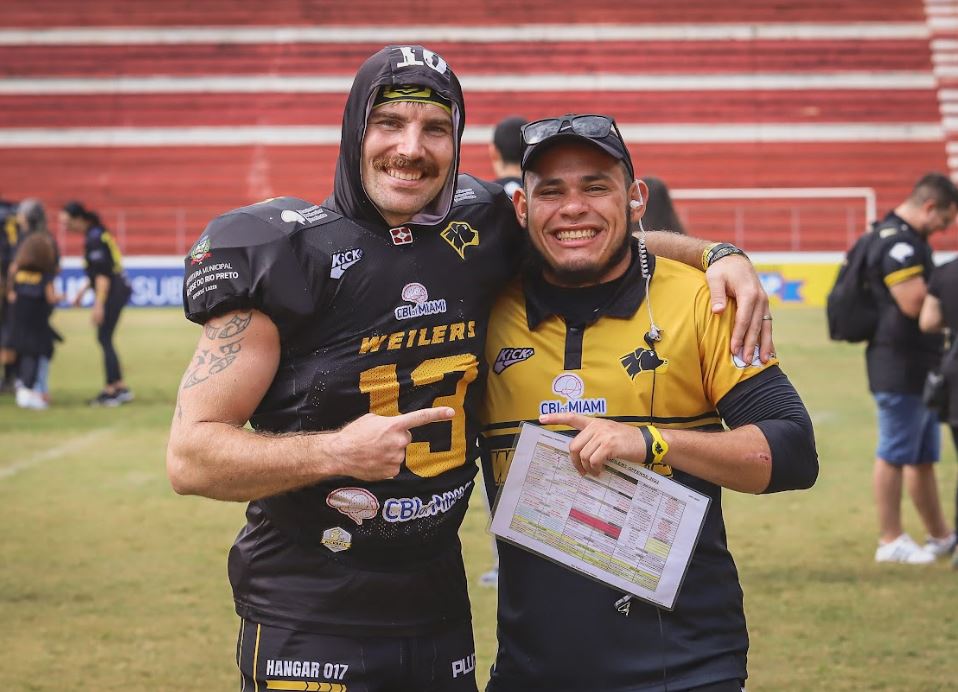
column 350, row 336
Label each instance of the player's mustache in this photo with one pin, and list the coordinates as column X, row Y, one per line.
column 427, row 168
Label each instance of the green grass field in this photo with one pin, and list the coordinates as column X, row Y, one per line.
column 109, row 581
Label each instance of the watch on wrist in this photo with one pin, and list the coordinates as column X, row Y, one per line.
column 719, row 250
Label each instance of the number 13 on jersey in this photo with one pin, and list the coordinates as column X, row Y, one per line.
column 382, row 385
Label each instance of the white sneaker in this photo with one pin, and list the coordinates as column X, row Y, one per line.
column 903, row 550
column 939, row 547
column 29, row 398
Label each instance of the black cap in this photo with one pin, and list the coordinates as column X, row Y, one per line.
column 611, row 144
column 507, row 138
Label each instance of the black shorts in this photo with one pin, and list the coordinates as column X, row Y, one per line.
column 444, row 661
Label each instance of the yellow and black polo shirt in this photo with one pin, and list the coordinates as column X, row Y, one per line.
column 539, row 363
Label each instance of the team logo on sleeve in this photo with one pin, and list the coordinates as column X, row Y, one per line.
column 303, row 216
column 337, row 539
column 200, row 251
column 416, row 294
column 343, row 261
column 356, row 503
column 571, row 387
column 901, row 252
column 756, row 361
column 401, row 235
column 511, row 356
column 460, row 235
column 641, row 360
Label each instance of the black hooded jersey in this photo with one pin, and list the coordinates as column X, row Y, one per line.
column 387, row 323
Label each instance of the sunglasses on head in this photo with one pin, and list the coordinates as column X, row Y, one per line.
column 590, row 126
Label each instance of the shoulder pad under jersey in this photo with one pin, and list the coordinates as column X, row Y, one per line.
column 244, row 260
column 470, row 190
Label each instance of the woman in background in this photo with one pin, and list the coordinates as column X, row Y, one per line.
column 104, row 270
column 32, row 297
column 660, row 214
column 32, row 221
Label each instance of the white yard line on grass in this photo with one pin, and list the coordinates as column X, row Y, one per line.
column 74, row 444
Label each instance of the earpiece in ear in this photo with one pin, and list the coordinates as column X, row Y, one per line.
column 635, row 203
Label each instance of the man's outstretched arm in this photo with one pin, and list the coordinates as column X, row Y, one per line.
column 732, row 276
column 211, row 453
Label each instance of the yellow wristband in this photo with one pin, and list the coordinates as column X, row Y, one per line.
column 655, row 445
column 705, row 255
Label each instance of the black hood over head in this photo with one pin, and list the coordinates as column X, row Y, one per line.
column 392, row 66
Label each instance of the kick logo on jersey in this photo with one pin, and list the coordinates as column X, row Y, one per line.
column 421, row 305
column 356, row 503
column 337, row 539
column 510, row 356
column 460, row 235
column 571, row 386
column 401, row 235
column 343, row 261
column 642, row 360
column 200, row 251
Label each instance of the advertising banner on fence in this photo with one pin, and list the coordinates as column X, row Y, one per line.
column 800, row 278
column 156, row 281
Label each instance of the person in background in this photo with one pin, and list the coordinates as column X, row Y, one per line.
column 104, row 270
column 32, row 224
column 939, row 311
column 32, row 297
column 504, row 150
column 661, row 214
column 9, row 235
column 898, row 359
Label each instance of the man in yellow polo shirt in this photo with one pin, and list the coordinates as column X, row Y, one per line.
column 621, row 349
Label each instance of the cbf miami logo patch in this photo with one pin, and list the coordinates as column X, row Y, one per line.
column 571, row 386
column 200, row 251
column 416, row 294
column 356, row 503
column 460, row 235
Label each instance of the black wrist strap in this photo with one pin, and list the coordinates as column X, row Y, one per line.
column 717, row 252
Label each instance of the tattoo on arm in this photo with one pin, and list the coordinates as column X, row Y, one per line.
column 211, row 361
column 215, row 329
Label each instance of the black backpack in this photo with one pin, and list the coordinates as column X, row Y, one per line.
column 851, row 306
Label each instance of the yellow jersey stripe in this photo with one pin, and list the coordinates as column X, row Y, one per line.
column 903, row 275
column 709, row 418
column 256, row 658
column 305, row 685
column 239, row 655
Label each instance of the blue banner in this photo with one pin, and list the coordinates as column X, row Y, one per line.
column 156, row 283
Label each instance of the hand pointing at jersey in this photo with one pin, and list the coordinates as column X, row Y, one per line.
column 373, row 447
